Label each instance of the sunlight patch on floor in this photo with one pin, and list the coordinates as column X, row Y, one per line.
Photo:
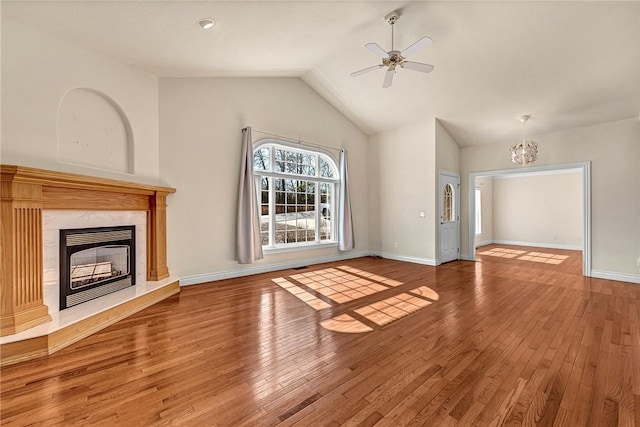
column 544, row 258
column 375, row 277
column 503, row 252
column 341, row 286
column 541, row 257
column 393, row 308
column 427, row 292
column 345, row 323
column 311, row 300
column 345, row 284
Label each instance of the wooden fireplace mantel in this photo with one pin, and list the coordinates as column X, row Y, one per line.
column 24, row 193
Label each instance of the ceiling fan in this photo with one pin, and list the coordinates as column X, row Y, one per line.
column 395, row 58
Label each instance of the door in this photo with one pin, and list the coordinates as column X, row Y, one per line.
column 449, row 183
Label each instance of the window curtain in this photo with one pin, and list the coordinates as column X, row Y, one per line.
column 345, row 222
column 249, row 246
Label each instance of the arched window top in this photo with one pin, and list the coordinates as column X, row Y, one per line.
column 271, row 155
column 448, row 207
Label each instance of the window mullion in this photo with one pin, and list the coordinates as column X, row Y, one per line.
column 318, row 210
column 272, row 211
column 334, row 211
column 318, row 216
column 272, row 207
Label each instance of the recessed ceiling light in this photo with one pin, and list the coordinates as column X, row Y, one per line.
column 207, row 23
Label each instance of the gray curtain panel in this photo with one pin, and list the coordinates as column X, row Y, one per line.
column 249, row 246
column 346, row 240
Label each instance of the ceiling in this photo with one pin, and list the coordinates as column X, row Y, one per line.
column 567, row 64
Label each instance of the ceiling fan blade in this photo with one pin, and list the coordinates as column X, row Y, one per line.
column 420, row 44
column 417, row 66
column 366, row 70
column 388, row 78
column 377, row 50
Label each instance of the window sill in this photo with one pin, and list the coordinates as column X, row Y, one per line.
column 298, row 247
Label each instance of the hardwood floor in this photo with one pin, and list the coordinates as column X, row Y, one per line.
column 502, row 341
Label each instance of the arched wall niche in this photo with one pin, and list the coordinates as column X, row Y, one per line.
column 93, row 131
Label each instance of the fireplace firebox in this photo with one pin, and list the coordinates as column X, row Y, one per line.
column 95, row 262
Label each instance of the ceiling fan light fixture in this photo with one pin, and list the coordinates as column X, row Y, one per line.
column 525, row 152
column 394, row 58
column 206, row 23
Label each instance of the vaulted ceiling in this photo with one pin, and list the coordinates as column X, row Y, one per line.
column 567, row 64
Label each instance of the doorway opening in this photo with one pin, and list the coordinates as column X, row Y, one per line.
column 583, row 168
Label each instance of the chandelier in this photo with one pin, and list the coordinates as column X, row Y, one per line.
column 525, row 152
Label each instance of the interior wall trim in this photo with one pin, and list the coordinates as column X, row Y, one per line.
column 620, row 277
column 534, row 245
column 484, row 243
column 398, row 257
column 258, row 269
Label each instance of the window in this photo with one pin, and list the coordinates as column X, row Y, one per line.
column 297, row 193
column 478, row 211
column 449, row 212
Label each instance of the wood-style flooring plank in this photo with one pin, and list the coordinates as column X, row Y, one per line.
column 499, row 342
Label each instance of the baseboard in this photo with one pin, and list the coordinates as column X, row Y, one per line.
column 538, row 245
column 406, row 258
column 484, row 243
column 620, row 277
column 258, row 269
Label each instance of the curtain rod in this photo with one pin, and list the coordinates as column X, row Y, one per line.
column 299, row 141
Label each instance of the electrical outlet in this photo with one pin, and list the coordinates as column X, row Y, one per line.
column 422, row 214
column 638, row 261
column 395, row 244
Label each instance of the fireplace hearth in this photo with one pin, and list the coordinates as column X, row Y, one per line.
column 95, row 262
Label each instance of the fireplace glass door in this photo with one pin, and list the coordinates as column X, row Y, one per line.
column 96, row 265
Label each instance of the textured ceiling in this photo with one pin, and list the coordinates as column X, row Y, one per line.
column 567, row 64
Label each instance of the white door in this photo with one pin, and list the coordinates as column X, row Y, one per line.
column 449, row 216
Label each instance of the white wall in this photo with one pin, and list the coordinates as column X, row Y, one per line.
column 447, row 150
column 0, row 82
column 485, row 184
column 613, row 149
column 539, row 210
column 38, row 70
column 447, row 159
column 200, row 141
column 403, row 180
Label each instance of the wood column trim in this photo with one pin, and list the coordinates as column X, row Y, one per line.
column 157, row 237
column 24, row 193
column 21, row 277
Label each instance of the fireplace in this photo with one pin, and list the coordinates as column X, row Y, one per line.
column 95, row 262
column 35, row 205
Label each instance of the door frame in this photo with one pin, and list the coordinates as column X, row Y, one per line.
column 457, row 209
column 584, row 167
